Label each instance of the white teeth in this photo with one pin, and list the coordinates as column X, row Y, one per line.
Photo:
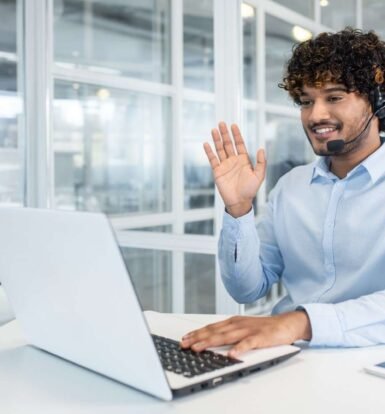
column 324, row 130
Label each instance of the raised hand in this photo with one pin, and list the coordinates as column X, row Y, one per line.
column 236, row 178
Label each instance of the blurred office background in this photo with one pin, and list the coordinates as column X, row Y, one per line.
column 105, row 104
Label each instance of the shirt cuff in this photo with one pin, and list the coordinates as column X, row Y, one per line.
column 230, row 221
column 325, row 324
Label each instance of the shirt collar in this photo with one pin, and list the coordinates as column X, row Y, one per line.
column 374, row 166
column 321, row 170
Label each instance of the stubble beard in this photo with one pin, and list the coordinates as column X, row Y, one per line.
column 349, row 147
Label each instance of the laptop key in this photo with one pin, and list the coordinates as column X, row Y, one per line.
column 187, row 362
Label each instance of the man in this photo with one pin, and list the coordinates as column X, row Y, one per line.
column 323, row 233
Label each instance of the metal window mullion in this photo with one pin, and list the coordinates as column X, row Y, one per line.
column 38, row 95
column 113, row 81
column 359, row 14
column 289, row 15
column 228, row 94
column 140, row 220
column 261, row 98
column 21, row 148
column 199, row 214
column 167, row 241
column 178, row 285
column 196, row 95
column 261, row 80
column 317, row 11
column 132, row 221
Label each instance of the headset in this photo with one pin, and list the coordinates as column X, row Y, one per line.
column 377, row 102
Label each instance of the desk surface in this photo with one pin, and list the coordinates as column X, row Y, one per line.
column 315, row 381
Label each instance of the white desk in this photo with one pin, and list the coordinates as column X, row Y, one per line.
column 6, row 313
column 315, row 381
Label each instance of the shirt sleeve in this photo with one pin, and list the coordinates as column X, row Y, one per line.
column 241, row 248
column 353, row 323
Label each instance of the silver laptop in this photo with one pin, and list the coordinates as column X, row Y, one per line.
column 72, row 295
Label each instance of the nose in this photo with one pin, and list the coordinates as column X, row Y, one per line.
column 319, row 112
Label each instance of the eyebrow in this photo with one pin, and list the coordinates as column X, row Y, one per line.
column 329, row 90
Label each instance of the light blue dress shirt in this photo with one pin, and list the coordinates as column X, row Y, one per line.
column 324, row 238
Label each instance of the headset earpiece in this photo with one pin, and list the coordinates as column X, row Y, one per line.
column 377, row 101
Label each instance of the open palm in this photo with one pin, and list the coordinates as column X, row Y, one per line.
column 236, row 178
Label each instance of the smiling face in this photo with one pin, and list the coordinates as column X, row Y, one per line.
column 330, row 113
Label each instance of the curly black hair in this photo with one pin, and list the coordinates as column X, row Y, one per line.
column 351, row 57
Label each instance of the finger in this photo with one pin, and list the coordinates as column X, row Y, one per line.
column 213, row 160
column 218, row 144
column 203, row 333
column 227, row 142
column 260, row 166
column 220, row 339
column 251, row 342
column 238, row 140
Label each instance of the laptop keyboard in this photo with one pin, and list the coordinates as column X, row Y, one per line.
column 187, row 362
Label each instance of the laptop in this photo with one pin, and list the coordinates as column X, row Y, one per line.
column 71, row 292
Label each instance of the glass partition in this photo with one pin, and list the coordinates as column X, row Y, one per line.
column 130, row 38
column 199, row 227
column 286, row 147
column 112, row 150
column 11, row 109
column 305, row 7
column 373, row 16
column 252, row 140
column 280, row 38
column 198, row 120
column 198, row 44
column 249, row 22
column 199, row 283
column 338, row 14
column 150, row 272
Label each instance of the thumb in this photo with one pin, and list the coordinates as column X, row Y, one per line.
column 260, row 165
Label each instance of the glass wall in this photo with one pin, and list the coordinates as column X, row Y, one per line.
column 115, row 130
column 130, row 38
column 199, row 283
column 250, row 88
column 373, row 16
column 199, row 110
column 305, row 7
column 280, row 38
column 200, row 227
column 249, row 44
column 198, row 44
column 11, row 108
column 111, row 149
column 198, row 120
column 338, row 14
column 151, row 274
column 286, row 147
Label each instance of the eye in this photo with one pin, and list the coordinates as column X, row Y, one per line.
column 334, row 98
column 305, row 103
